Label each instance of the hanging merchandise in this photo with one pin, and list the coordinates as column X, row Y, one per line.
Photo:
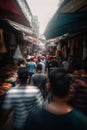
column 18, row 54
column 71, row 47
column 69, row 43
column 76, row 44
column 12, row 40
column 59, row 46
column 2, row 43
column 65, row 51
column 62, row 50
column 84, row 50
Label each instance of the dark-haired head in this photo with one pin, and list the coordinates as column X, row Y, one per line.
column 39, row 67
column 59, row 82
column 23, row 75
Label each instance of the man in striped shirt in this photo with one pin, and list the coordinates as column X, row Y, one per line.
column 23, row 100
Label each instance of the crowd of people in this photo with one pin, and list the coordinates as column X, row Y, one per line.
column 48, row 95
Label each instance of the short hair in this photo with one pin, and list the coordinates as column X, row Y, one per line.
column 39, row 66
column 60, row 82
column 23, row 74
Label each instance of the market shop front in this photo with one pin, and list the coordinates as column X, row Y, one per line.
column 69, row 24
column 13, row 24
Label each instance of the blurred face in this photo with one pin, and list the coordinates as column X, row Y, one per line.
column 76, row 74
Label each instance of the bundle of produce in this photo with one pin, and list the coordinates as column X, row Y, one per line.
column 6, row 86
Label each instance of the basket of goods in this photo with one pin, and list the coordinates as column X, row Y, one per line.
column 6, row 86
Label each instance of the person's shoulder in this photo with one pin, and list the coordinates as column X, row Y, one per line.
column 33, row 62
column 44, row 75
column 79, row 116
column 81, row 119
column 33, row 89
column 35, row 76
column 12, row 90
column 37, row 113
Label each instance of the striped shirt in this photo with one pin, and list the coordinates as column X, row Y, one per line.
column 79, row 93
column 24, row 101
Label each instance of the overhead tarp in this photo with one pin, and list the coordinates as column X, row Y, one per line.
column 15, row 27
column 62, row 23
column 30, row 39
column 10, row 9
column 21, row 27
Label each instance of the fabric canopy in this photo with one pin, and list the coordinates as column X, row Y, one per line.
column 21, row 27
column 16, row 27
column 11, row 9
column 63, row 23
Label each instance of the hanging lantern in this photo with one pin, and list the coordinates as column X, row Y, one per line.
column 59, row 46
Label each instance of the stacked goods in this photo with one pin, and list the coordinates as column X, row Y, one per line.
column 8, row 75
column 6, row 86
column 3, row 89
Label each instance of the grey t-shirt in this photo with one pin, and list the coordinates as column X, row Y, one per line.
column 39, row 80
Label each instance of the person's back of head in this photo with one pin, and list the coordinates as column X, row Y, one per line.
column 31, row 59
column 39, row 60
column 23, row 74
column 59, row 82
column 39, row 67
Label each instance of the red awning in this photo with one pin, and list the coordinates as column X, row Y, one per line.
column 10, row 6
column 10, row 9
